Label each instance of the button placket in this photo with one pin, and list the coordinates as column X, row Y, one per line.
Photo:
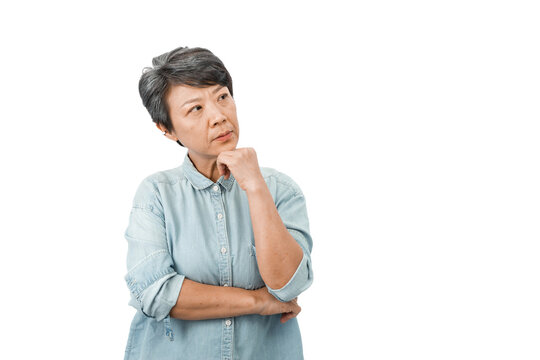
column 224, row 264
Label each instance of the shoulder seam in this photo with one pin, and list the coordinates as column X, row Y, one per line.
column 293, row 187
column 155, row 177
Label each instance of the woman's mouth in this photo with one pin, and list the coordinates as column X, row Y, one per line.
column 224, row 137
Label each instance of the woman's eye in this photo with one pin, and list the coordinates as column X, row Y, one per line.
column 198, row 107
column 223, row 96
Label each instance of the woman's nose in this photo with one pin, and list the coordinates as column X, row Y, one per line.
column 217, row 120
column 216, row 116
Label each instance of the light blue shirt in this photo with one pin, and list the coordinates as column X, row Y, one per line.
column 182, row 224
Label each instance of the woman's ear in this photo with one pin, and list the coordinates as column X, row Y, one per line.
column 160, row 127
column 165, row 132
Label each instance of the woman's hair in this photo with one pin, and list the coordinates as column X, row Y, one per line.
column 196, row 67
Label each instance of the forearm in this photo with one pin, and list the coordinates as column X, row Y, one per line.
column 278, row 253
column 200, row 301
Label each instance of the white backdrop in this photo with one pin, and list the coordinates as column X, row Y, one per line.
column 411, row 127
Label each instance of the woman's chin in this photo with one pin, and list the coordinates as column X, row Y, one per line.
column 228, row 146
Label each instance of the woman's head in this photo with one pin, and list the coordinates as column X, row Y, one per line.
column 186, row 74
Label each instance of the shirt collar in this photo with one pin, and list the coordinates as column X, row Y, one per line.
column 199, row 181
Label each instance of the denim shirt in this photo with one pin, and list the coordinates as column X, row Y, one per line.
column 182, row 224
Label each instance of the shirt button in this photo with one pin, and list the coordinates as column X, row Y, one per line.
column 220, row 215
column 216, row 188
column 228, row 322
column 223, row 250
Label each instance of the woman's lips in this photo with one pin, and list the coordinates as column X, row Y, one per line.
column 224, row 137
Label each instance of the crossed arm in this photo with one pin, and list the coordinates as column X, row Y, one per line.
column 278, row 257
column 283, row 264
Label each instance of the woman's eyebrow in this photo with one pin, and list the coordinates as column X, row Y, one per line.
column 198, row 99
column 219, row 88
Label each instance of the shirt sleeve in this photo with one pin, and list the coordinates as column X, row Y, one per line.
column 293, row 212
column 151, row 277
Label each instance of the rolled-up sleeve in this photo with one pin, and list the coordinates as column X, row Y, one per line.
column 151, row 277
column 293, row 212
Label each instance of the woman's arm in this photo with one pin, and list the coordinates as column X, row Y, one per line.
column 201, row 301
column 278, row 254
column 157, row 290
column 281, row 228
column 282, row 239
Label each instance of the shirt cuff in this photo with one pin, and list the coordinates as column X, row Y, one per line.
column 300, row 281
column 162, row 296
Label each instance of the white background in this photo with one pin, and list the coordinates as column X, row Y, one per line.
column 411, row 127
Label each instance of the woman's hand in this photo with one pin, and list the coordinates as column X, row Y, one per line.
column 267, row 304
column 243, row 164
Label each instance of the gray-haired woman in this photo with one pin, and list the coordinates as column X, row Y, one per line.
column 219, row 248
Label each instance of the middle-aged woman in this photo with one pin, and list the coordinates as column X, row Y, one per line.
column 218, row 248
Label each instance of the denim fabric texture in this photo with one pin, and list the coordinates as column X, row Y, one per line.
column 182, row 224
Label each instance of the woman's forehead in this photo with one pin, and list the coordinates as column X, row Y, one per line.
column 187, row 92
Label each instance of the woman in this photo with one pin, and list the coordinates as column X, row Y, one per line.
column 218, row 247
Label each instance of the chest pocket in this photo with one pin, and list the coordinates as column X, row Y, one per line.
column 254, row 277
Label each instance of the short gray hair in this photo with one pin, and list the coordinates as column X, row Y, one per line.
column 197, row 67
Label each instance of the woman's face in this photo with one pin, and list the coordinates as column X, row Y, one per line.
column 200, row 115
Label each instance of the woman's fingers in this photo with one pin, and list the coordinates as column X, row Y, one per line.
column 291, row 314
column 270, row 305
column 286, row 317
